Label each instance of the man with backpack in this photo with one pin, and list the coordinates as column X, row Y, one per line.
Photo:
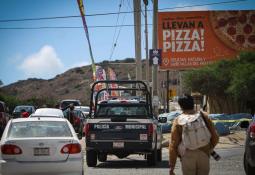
column 193, row 138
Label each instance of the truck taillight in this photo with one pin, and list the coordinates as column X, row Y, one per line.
column 150, row 129
column 87, row 127
column 252, row 131
column 72, row 148
column 10, row 149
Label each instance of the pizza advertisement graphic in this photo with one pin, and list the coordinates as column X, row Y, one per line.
column 197, row 38
column 235, row 28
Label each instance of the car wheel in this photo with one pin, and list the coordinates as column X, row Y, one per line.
column 249, row 170
column 91, row 158
column 159, row 155
column 102, row 157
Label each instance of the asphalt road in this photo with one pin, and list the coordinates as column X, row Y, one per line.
column 230, row 164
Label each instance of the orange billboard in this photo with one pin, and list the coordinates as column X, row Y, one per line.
column 196, row 38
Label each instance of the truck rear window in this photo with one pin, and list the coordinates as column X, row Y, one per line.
column 127, row 111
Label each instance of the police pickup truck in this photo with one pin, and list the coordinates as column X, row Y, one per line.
column 122, row 125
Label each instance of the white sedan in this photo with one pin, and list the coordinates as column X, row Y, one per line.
column 48, row 112
column 40, row 146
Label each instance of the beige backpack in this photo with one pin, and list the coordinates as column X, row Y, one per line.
column 195, row 133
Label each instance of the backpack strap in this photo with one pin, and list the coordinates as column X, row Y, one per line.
column 211, row 128
column 206, row 123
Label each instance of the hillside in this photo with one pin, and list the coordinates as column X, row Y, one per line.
column 74, row 83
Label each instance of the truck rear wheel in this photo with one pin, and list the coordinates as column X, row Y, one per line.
column 159, row 155
column 102, row 157
column 91, row 158
column 152, row 158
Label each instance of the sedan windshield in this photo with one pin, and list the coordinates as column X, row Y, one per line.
column 39, row 129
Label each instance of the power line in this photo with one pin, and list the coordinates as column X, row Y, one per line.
column 129, row 4
column 115, row 44
column 113, row 40
column 69, row 27
column 115, row 13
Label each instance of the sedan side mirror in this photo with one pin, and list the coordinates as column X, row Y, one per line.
column 162, row 120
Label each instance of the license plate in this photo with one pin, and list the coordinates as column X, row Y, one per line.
column 41, row 151
column 143, row 137
column 118, row 144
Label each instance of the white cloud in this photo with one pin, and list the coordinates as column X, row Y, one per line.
column 43, row 64
column 188, row 7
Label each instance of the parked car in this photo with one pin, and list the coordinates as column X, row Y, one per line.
column 216, row 116
column 166, row 127
column 65, row 103
column 40, row 146
column 3, row 117
column 84, row 109
column 18, row 109
column 232, row 121
column 249, row 153
column 48, row 112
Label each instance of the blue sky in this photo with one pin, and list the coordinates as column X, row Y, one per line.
column 44, row 53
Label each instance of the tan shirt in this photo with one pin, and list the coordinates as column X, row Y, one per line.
column 176, row 135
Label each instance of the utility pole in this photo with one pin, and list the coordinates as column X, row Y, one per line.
column 137, row 29
column 167, row 91
column 146, row 42
column 155, row 46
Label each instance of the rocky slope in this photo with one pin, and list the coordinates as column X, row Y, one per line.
column 74, row 83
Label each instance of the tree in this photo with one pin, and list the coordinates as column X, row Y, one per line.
column 242, row 84
column 229, row 84
column 1, row 83
column 10, row 101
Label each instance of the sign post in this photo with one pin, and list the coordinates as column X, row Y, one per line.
column 155, row 57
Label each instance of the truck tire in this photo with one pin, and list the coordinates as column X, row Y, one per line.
column 152, row 158
column 159, row 155
column 102, row 157
column 91, row 158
